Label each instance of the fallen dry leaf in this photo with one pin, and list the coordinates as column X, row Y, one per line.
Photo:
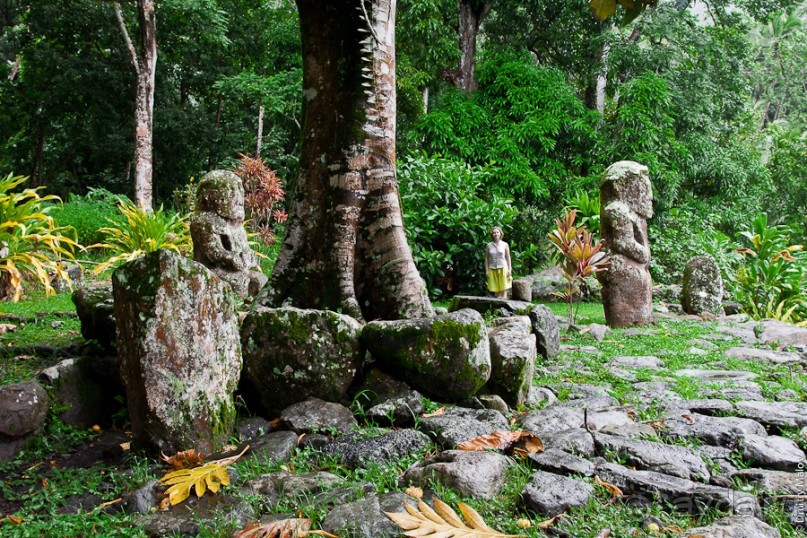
column 523, row 523
column 520, row 442
column 443, row 521
column 109, row 503
column 656, row 424
column 689, row 418
column 7, row 328
column 274, row 423
column 549, row 522
column 14, row 520
column 615, row 491
column 437, row 413
column 673, row 529
column 414, row 491
column 184, row 460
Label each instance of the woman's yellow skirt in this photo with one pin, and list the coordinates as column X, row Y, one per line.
column 498, row 280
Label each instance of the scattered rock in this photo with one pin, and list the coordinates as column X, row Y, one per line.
column 315, row 415
column 459, row 424
column 522, row 290
column 554, row 418
column 668, row 459
column 734, row 527
column 274, row 447
column 732, row 308
column 549, row 494
column 252, row 428
column 494, row 403
column 777, row 414
column 23, row 409
column 355, row 450
column 96, row 311
column 782, row 333
column 636, row 430
column 575, row 441
column 86, row 388
column 195, row 514
column 389, row 400
column 703, row 344
column 554, row 460
column 652, row 363
column 364, row 518
column 786, row 395
column 598, row 331
column 483, row 305
column 291, row 354
column 702, row 287
column 447, row 357
column 704, row 407
column 771, row 452
column 715, row 431
column 292, row 487
column 744, row 333
column 685, row 495
column 762, row 355
column 721, row 457
column 471, row 474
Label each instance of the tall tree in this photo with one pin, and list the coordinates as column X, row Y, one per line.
column 144, row 60
column 471, row 15
column 345, row 246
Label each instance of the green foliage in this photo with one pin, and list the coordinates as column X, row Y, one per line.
column 788, row 167
column 588, row 207
column 524, row 124
column 772, row 282
column 88, row 214
column 31, row 241
column 136, row 232
column 527, row 239
column 447, row 221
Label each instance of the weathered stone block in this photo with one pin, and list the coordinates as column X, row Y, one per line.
column 179, row 350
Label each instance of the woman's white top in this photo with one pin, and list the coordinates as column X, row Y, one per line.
column 496, row 255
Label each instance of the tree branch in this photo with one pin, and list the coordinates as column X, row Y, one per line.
column 126, row 38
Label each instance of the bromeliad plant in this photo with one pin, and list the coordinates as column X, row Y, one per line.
column 139, row 232
column 772, row 282
column 31, row 241
column 579, row 256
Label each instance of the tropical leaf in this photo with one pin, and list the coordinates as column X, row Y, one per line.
column 284, row 528
column 207, row 477
column 443, row 522
column 614, row 490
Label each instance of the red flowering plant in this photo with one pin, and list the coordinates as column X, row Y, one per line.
column 263, row 194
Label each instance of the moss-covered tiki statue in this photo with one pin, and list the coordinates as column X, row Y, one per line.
column 626, row 195
column 219, row 238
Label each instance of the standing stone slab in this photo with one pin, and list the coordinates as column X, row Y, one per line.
column 96, row 312
column 547, row 334
column 522, row 290
column 703, row 286
column 179, row 350
column 549, row 494
column 512, row 357
column 446, row 357
column 292, row 354
column 626, row 196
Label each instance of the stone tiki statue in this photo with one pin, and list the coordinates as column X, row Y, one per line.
column 626, row 198
column 219, row 238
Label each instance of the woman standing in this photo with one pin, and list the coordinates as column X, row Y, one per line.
column 498, row 268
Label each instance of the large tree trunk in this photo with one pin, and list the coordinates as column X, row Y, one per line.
column 345, row 246
column 472, row 13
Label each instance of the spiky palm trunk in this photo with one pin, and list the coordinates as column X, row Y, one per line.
column 345, row 246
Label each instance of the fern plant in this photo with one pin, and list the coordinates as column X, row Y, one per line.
column 31, row 241
column 139, row 232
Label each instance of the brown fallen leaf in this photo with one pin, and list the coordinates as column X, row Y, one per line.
column 437, row 413
column 414, row 491
column 549, row 522
column 109, row 503
column 284, row 528
column 274, row 423
column 615, row 491
column 443, row 521
column 14, row 520
column 656, row 424
column 520, row 442
column 673, row 529
column 7, row 328
column 689, row 418
column 186, row 459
